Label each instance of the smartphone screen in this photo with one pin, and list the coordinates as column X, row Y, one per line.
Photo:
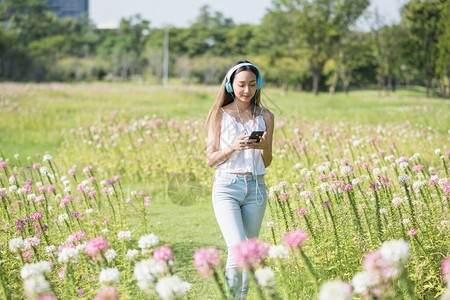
column 256, row 135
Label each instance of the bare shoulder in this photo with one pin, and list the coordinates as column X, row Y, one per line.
column 267, row 115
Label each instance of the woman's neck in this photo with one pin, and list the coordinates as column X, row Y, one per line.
column 243, row 106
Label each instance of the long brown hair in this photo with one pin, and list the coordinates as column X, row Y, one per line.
column 224, row 98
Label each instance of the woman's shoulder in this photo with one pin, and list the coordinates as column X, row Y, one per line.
column 267, row 114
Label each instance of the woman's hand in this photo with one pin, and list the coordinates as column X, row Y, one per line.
column 263, row 143
column 242, row 142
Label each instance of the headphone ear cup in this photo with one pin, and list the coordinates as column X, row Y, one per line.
column 259, row 83
column 228, row 87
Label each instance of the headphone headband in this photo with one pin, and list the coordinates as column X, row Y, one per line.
column 228, row 86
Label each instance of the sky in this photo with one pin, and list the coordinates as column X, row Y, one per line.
column 181, row 13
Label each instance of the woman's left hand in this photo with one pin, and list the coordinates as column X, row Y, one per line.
column 263, row 144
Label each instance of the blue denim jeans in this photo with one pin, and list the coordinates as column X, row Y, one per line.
column 239, row 203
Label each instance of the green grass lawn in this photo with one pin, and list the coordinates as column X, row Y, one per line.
column 37, row 118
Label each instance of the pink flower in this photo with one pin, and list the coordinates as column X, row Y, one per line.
column 31, row 242
column 42, row 189
column 80, row 292
column 62, row 273
column 284, row 197
column 295, row 238
column 301, row 185
column 347, row 187
column 66, row 246
column 206, row 260
column 412, row 232
column 163, row 253
column 72, row 171
column 250, row 252
column 322, row 177
column 64, row 202
column 27, row 255
column 302, row 212
column 36, row 216
column 378, row 267
column 51, row 188
column 446, row 269
column 417, row 168
column 91, row 179
column 94, row 247
column 107, row 293
column 345, row 161
column 77, row 236
column 36, row 165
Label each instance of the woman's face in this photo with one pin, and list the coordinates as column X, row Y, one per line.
column 244, row 86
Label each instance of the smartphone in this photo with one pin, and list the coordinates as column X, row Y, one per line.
column 256, row 135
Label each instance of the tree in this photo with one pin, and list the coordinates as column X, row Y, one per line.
column 423, row 17
column 314, row 26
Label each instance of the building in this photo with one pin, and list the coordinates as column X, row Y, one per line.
column 69, row 8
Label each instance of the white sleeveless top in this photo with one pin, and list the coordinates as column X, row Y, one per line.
column 243, row 161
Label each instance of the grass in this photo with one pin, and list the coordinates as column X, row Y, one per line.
column 37, row 117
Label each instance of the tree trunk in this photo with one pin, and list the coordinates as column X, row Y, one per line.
column 380, row 83
column 316, row 79
column 448, row 86
column 335, row 81
column 428, row 83
column 441, row 88
column 389, row 83
column 346, row 80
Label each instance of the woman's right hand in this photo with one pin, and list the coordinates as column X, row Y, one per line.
column 241, row 143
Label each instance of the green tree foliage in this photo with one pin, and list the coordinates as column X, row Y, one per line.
column 423, row 18
column 313, row 26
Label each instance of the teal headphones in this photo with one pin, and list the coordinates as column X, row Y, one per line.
column 228, row 86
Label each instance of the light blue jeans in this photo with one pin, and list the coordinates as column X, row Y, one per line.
column 239, row 205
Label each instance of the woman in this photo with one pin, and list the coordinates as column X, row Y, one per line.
column 239, row 192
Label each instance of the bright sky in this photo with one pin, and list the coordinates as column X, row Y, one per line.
column 181, row 13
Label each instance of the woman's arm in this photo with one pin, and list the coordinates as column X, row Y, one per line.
column 266, row 152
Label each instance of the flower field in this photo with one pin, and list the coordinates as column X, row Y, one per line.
column 119, row 206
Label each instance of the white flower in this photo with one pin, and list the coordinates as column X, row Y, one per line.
column 417, row 184
column 62, row 217
column 335, row 290
column 324, row 187
column 404, row 165
column 16, row 156
column 171, row 287
column 66, row 182
column 80, row 247
column 35, row 286
column 362, row 282
column 16, row 244
column 406, row 221
column 30, row 270
column 395, row 251
column 148, row 241
column 31, row 197
column 43, row 170
column 397, row 201
column 89, row 211
column 403, row 179
column 145, row 272
column 103, row 183
column 110, row 254
column 31, row 242
column 376, row 172
column 67, row 189
column 279, row 251
column 124, row 235
column 109, row 276
column 346, row 171
column 132, row 254
column 265, row 277
column 383, row 211
column 356, row 181
column 437, row 151
column 68, row 255
column 12, row 188
column 446, row 295
column 47, row 157
column 105, row 230
column 50, row 249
